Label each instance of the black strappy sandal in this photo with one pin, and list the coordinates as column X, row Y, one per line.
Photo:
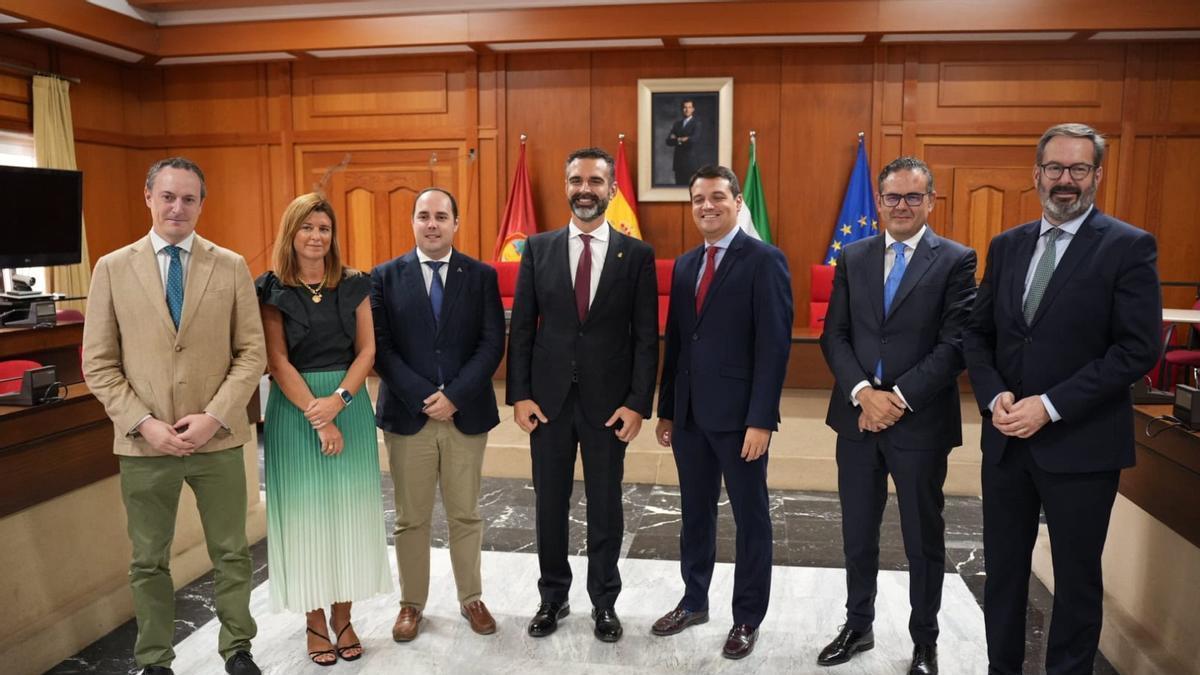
column 317, row 653
column 341, row 651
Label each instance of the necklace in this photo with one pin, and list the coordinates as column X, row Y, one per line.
column 316, row 293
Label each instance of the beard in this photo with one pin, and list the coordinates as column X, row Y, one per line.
column 1063, row 211
column 588, row 213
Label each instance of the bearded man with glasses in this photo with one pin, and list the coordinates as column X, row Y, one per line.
column 1068, row 316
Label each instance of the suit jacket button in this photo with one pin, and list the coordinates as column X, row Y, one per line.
column 178, row 348
column 437, row 351
column 580, row 333
column 1028, row 340
column 695, row 337
column 883, row 341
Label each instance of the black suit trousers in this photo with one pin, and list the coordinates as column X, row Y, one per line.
column 1077, row 507
column 863, row 468
column 702, row 459
column 552, row 445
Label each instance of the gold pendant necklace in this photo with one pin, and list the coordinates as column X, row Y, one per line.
column 316, row 293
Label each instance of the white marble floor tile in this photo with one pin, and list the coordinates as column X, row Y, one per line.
column 807, row 606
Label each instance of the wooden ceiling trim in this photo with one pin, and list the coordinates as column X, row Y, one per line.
column 87, row 20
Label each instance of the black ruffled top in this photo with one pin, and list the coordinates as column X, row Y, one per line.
column 320, row 336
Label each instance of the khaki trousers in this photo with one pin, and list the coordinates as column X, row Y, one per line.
column 150, row 487
column 438, row 454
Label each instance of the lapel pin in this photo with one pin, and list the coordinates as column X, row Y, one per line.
column 620, row 253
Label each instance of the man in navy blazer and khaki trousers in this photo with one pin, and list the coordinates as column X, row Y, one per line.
column 892, row 339
column 439, row 336
column 1068, row 316
column 729, row 330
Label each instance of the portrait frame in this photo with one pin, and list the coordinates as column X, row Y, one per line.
column 661, row 168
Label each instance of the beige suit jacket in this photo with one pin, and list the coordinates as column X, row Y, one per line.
column 137, row 364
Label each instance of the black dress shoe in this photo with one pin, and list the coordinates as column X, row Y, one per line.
column 845, row 645
column 924, row 660
column 241, row 663
column 677, row 619
column 545, row 621
column 608, row 626
column 157, row 670
column 740, row 641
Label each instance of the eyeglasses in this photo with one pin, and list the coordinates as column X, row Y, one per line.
column 893, row 199
column 1054, row 171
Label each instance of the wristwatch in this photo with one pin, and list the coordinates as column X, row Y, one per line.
column 345, row 395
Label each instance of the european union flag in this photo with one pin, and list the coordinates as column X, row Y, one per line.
column 858, row 218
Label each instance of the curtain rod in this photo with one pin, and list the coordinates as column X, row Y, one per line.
column 26, row 70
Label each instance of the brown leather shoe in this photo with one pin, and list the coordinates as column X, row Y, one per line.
column 677, row 619
column 740, row 642
column 477, row 614
column 408, row 624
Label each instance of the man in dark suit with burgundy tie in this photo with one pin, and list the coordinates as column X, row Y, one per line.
column 729, row 332
column 893, row 340
column 439, row 336
column 582, row 355
column 1068, row 316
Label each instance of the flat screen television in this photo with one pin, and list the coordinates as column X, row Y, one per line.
column 41, row 217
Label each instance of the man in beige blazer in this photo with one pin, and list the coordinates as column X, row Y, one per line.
column 173, row 347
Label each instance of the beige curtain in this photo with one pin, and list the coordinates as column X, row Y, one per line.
column 54, row 143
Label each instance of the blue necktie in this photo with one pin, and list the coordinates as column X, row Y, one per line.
column 889, row 292
column 436, row 293
column 175, row 285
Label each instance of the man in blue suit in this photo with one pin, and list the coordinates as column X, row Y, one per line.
column 729, row 330
column 892, row 339
column 1068, row 316
column 439, row 336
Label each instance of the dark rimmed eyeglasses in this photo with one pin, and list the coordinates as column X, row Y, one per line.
column 1054, row 170
column 893, row 199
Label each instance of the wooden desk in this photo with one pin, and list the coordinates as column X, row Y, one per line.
column 1166, row 481
column 1181, row 315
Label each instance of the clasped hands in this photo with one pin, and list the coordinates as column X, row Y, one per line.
column 182, row 438
column 528, row 415
column 880, row 409
column 1019, row 419
column 320, row 414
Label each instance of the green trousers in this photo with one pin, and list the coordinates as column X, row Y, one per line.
column 150, row 487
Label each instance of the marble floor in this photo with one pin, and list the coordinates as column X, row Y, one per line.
column 807, row 600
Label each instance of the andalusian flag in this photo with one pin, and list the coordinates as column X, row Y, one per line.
column 519, row 220
column 859, row 218
column 622, row 209
column 753, row 216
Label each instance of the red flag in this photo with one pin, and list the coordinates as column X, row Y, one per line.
column 519, row 220
column 622, row 210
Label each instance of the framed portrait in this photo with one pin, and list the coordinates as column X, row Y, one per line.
column 683, row 124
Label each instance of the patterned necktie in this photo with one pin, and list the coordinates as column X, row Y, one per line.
column 1042, row 274
column 583, row 278
column 710, row 266
column 436, row 290
column 889, row 292
column 175, row 285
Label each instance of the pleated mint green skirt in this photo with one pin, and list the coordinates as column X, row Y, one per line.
column 325, row 530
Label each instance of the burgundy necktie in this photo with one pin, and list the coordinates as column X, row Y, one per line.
column 710, row 266
column 583, row 277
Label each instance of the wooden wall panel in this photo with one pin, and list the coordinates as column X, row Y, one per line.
column 236, row 213
column 825, row 99
column 1178, row 241
column 1182, row 74
column 215, row 99
column 98, row 102
column 15, row 94
column 106, row 204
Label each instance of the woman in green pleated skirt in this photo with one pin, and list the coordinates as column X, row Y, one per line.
column 326, row 545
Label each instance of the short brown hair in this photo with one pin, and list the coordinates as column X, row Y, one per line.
column 287, row 268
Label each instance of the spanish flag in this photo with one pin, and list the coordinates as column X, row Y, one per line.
column 519, row 220
column 622, row 209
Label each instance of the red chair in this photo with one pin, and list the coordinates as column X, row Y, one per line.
column 664, row 270
column 819, row 291
column 11, row 372
column 1176, row 360
column 506, row 273
column 69, row 316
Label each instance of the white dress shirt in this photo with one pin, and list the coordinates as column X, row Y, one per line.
column 889, row 261
column 599, row 247
column 427, row 271
column 164, row 258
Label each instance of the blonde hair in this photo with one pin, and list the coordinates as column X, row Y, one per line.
column 287, row 267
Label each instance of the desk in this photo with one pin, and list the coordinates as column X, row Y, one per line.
column 1181, row 315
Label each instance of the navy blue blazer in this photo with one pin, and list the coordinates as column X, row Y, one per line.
column 468, row 343
column 1096, row 331
column 920, row 340
column 723, row 369
column 613, row 354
